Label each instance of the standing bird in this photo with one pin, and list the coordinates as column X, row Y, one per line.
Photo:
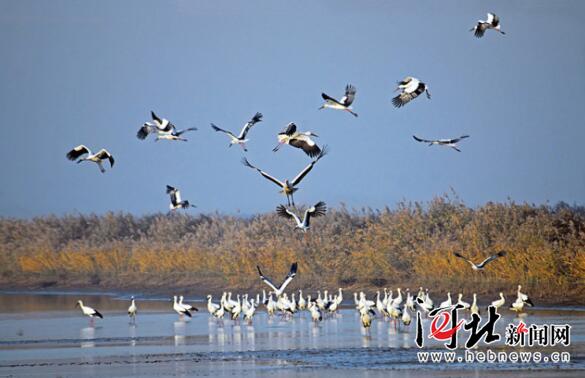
column 180, row 309
column 411, row 88
column 163, row 128
column 499, row 302
column 97, row 158
column 176, row 202
column 481, row 265
column 317, row 210
column 88, row 311
column 280, row 289
column 524, row 297
column 132, row 310
column 240, row 139
column 288, row 187
column 344, row 103
column 442, row 142
column 492, row 22
column 301, row 140
column 474, row 307
column 212, row 307
column 188, row 307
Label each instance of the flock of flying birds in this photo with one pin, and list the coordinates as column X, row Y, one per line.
column 389, row 307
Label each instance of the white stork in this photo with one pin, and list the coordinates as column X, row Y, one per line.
column 481, row 265
column 288, row 187
column 297, row 139
column 132, row 310
column 442, row 142
column 97, row 158
column 88, row 311
column 344, row 103
column 180, row 309
column 492, row 22
column 176, row 202
column 524, row 297
column 317, row 210
column 212, row 307
column 447, row 303
column 188, row 307
column 278, row 291
column 461, row 302
column 410, row 89
column 163, row 128
column 474, row 307
column 241, row 138
column 499, row 302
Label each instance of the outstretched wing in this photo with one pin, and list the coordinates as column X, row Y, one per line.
column 266, row 175
column 223, row 131
column 349, row 95
column 480, row 29
column 306, row 144
column 458, row 139
column 145, row 130
column 308, row 168
column 170, row 189
column 77, row 152
column 289, row 276
column 104, row 154
column 326, row 97
column 266, row 279
column 320, row 208
column 257, row 118
column 179, row 132
column 464, row 258
column 405, row 97
column 290, row 129
column 286, row 213
column 492, row 258
column 421, row 140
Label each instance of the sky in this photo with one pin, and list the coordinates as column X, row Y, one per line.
column 90, row 72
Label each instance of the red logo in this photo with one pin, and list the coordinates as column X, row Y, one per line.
column 439, row 333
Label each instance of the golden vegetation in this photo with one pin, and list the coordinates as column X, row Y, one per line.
column 412, row 244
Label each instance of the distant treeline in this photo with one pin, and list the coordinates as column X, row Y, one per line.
column 412, row 244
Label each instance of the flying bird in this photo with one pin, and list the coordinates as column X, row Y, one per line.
column 97, row 158
column 288, row 187
column 278, row 291
column 410, row 89
column 163, row 128
column 176, row 202
column 442, row 142
column 492, row 22
column 481, row 265
column 317, row 210
column 241, row 138
column 344, row 103
column 297, row 139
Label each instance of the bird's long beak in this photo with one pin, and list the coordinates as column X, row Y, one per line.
column 315, row 135
column 276, row 148
column 397, row 89
column 321, row 107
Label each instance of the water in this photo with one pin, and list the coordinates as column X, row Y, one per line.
column 44, row 335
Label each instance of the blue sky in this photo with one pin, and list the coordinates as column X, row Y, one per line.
column 90, row 72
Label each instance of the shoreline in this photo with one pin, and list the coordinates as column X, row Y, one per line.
column 568, row 304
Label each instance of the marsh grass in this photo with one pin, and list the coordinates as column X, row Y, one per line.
column 412, row 244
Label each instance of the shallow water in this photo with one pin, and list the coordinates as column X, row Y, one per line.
column 47, row 335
